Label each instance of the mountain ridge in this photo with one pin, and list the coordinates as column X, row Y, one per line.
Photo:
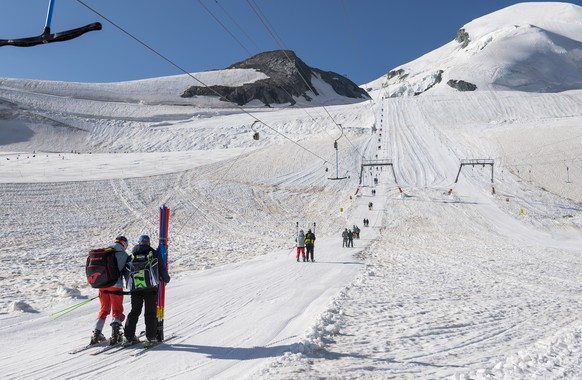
column 288, row 78
column 531, row 47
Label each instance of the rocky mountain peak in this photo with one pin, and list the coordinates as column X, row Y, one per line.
column 288, row 78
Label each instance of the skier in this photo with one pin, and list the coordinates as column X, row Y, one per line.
column 148, row 296
column 356, row 231
column 111, row 299
column 300, row 240
column 345, row 238
column 309, row 245
column 350, row 238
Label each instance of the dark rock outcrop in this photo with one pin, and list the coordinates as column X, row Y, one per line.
column 462, row 37
column 288, row 76
column 461, row 85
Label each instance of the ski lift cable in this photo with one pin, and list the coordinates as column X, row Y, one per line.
column 224, row 27
column 282, row 88
column 358, row 51
column 269, row 28
column 278, row 40
column 232, row 34
column 350, row 28
column 196, row 79
column 239, row 27
column 265, row 22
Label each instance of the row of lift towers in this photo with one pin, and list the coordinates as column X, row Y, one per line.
column 464, row 162
column 388, row 162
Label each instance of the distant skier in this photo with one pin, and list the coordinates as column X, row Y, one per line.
column 345, row 238
column 350, row 239
column 356, row 231
column 309, row 245
column 300, row 240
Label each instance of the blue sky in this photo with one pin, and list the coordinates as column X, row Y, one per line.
column 361, row 39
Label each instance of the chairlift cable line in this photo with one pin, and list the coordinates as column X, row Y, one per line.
column 282, row 88
column 204, row 84
column 239, row 27
column 278, row 40
column 231, row 34
column 269, row 28
column 264, row 21
column 358, row 54
column 196, row 79
column 224, row 27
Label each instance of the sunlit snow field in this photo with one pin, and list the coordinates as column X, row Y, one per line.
column 467, row 280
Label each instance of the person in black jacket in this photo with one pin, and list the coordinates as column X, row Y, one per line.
column 309, row 245
column 143, row 293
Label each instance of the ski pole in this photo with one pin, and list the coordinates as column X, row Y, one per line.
column 59, row 314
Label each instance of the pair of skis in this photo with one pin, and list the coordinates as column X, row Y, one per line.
column 142, row 349
column 297, row 228
column 103, row 346
column 163, row 250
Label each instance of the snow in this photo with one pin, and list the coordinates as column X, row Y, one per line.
column 481, row 283
column 534, row 47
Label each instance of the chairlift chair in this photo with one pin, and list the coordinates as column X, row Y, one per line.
column 48, row 37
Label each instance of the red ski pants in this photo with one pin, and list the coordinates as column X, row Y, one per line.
column 300, row 250
column 111, row 303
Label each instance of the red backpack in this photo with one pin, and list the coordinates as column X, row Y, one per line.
column 101, row 268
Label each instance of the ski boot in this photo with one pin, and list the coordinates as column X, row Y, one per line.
column 97, row 337
column 150, row 342
column 115, row 333
column 129, row 341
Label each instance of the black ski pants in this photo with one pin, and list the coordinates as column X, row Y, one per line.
column 309, row 251
column 149, row 297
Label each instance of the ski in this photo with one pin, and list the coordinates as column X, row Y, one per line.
column 163, row 249
column 145, row 349
column 88, row 347
column 116, row 347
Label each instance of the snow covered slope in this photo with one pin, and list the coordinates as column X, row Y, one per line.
column 451, row 279
column 534, row 47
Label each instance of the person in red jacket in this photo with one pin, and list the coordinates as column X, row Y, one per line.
column 111, row 299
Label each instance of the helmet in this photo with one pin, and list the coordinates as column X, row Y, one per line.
column 309, row 230
column 122, row 240
column 144, row 240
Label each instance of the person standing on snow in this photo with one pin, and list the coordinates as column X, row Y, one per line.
column 300, row 240
column 345, row 238
column 309, row 245
column 143, row 252
column 111, row 298
column 350, row 238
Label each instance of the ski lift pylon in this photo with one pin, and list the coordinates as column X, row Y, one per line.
column 335, row 146
column 255, row 133
column 48, row 37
